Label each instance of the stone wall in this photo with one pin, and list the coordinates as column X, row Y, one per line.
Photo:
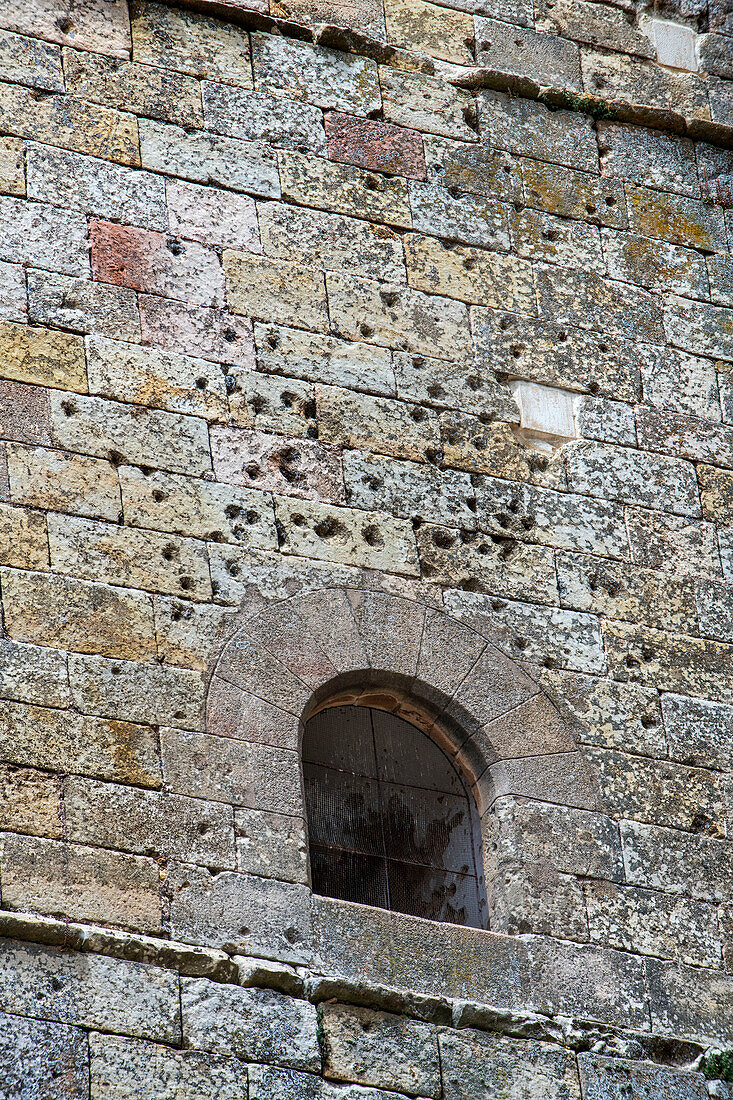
column 384, row 351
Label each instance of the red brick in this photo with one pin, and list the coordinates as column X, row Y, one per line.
column 377, row 145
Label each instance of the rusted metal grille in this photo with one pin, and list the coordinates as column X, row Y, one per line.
column 390, row 820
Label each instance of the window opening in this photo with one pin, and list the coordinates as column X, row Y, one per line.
column 391, row 821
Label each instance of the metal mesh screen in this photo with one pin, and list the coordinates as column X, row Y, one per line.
column 391, row 822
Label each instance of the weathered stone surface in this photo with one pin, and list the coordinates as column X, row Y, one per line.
column 254, row 1024
column 33, row 674
column 40, row 1058
column 472, row 168
column 60, row 481
column 276, row 290
column 208, row 158
column 128, row 86
column 649, row 158
column 444, row 384
column 612, row 1078
column 426, row 103
column 699, row 328
column 30, row 801
column 474, row 1063
column 676, row 218
column 343, row 189
column 256, row 116
column 436, row 31
column 469, row 274
column 294, row 352
column 191, row 43
column 83, row 306
column 655, row 264
column 212, row 215
column 633, row 477
column 136, row 692
column 469, row 219
column 13, row 298
column 672, row 543
column 271, row 463
column 699, row 731
column 374, row 145
column 42, row 357
column 118, row 1066
column 592, row 302
column 619, row 77
column 379, row 1049
column 676, row 862
column 673, row 662
column 23, row 538
column 94, row 27
column 615, row 715
column 267, row 403
column 93, row 991
column 545, row 58
column 690, row 1001
column 327, row 78
column 681, row 382
column 526, row 127
column 12, row 166
column 375, row 424
column 408, row 489
column 540, row 236
column 272, row 845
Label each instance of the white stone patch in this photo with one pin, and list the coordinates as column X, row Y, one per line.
column 547, row 414
column 676, row 44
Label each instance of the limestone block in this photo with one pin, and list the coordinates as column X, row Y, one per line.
column 540, row 236
column 234, row 712
column 567, row 639
column 42, row 357
column 714, row 50
column 209, row 158
column 689, row 1001
column 91, row 990
column 327, row 78
column 604, row 420
column 131, row 558
column 405, row 319
column 97, row 187
column 408, row 489
column 70, row 124
column 271, row 1083
column 673, row 543
column 719, row 94
column 655, row 264
column 30, row 801
column 435, row 31
column 469, row 219
column 257, row 116
column 247, row 914
column 12, row 166
column 676, row 862
column 379, row 1049
column 80, row 883
column 248, row 665
column 375, row 145
column 23, row 538
column 614, row 715
column 330, row 241
column 685, row 436
column 444, row 384
column 494, row 448
column 375, row 423
column 116, row 431
column 715, row 606
column 280, row 630
column 212, row 215
column 317, row 358
column 469, row 274
column 275, row 290
column 699, row 328
column 41, row 1057
column 503, row 567
column 33, row 674
column 676, row 218
column 590, row 301
column 151, row 822
column 716, row 494
column 725, row 542
column 147, row 376
column 588, row 981
column 673, row 662
column 527, row 127
column 472, row 168
column 199, row 331
column 82, row 306
column 366, row 16
column 30, row 61
column 94, row 26
column 13, row 305
column 329, row 615
column 474, row 1063
column 594, row 24
column 119, row 1066
column 427, row 103
column 632, row 477
column 190, row 634
column 190, row 42
column 267, row 403
column 545, row 58
column 391, row 629
column 137, row 692
column 346, row 535
column 720, row 272
column 651, row 923
column 563, row 778
column 198, row 508
column 681, row 382
column 574, row 194
column 341, row 188
column 544, row 410
column 128, row 86
column 253, row 1024
column 648, row 158
column 271, row 845
column 619, row 77
column 271, row 463
column 699, row 731
column 494, row 686
column 275, row 576
column 612, row 1078
column 240, row 773
column 73, row 614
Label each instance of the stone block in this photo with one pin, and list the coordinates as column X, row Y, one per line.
column 435, row 31
column 191, row 42
column 30, row 61
column 690, row 1002
column 271, row 463
column 468, row 219
column 586, row 299
column 80, row 883
column 715, row 606
column 280, row 630
column 275, row 576
column 118, row 1066
column 529, row 128
column 122, row 433
column 612, row 1078
column 699, row 328
column 594, row 24
column 716, row 494
column 190, row 634
column 234, row 712
column 649, row 922
column 267, row 403
column 12, row 166
column 256, row 1025
column 13, row 304
column 404, row 319
column 673, row 543
column 546, row 59
column 341, row 188
column 209, row 158
column 257, row 116
column 127, row 85
column 30, row 801
column 33, row 674
column 90, row 990
column 655, row 264
column 38, row 1058
column 676, row 862
column 136, row 692
column 329, row 615
column 537, row 235
column 375, row 423
column 70, row 123
column 632, row 477
column 408, row 489
column 149, row 822
column 247, row 664
column 469, row 274
column 428, row 104
column 42, row 357
column 617, row 77
column 699, row 731
column 346, row 535
column 128, row 557
column 212, row 215
column 67, row 613
column 611, row 714
column 375, row 145
column 327, row 78
column 271, row 845
column 685, row 436
column 563, row 778
column 381, row 1050
column 475, row 169
column 391, row 629
column 243, row 913
column 649, row 158
column 365, row 16
column 82, row 306
column 331, row 242
column 580, row 195
column 275, row 290
column 317, row 358
column 23, row 538
column 94, row 27
column 682, row 383
column 226, row 770
column 474, row 1063
column 720, row 271
column 200, row 509
column 545, row 412
column 444, row 384
column 676, row 218
column 147, row 376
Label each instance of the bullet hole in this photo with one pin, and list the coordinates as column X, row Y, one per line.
column 366, row 330
column 549, row 662
column 471, row 504
column 203, row 828
column 700, row 823
column 309, row 409
column 174, row 247
column 519, row 207
column 485, row 417
column 647, row 653
column 116, row 458
column 599, row 81
column 520, row 643
column 612, row 590
column 288, row 399
column 292, row 935
column 528, row 523
column 497, row 605
column 516, row 350
column 514, row 505
column 65, row 24
column 483, row 548
column 298, row 520
column 389, row 297
column 473, row 382
column 551, row 234
column 214, row 536
column 273, row 340
column 374, row 183
column 68, row 408
column 435, row 390
column 469, row 584
column 631, row 662
column 648, row 722
column 469, row 263
column 417, row 522
column 201, row 383
column 469, row 117
column 442, row 539
column 372, row 536
column 562, row 337
column 502, row 519
column 451, row 438
column 433, row 455
column 329, row 528
column 454, row 192
column 251, row 517
column 418, row 362
column 593, row 584
column 230, row 383
column 57, row 983
column 147, row 471
column 169, row 552
column 158, row 495
column 437, row 168
column 484, row 45
column 603, row 348
column 593, row 387
column 590, row 208
column 252, row 471
column 232, row 511
column 116, row 670
column 312, row 432
column 478, row 443
column 230, row 335
column 257, row 403
column 504, row 324
column 232, row 568
column 417, row 414
column 215, row 588
column 506, row 168
column 176, row 615
column 610, row 200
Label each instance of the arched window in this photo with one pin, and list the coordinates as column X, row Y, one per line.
column 391, row 821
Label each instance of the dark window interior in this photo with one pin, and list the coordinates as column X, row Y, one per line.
column 391, row 822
